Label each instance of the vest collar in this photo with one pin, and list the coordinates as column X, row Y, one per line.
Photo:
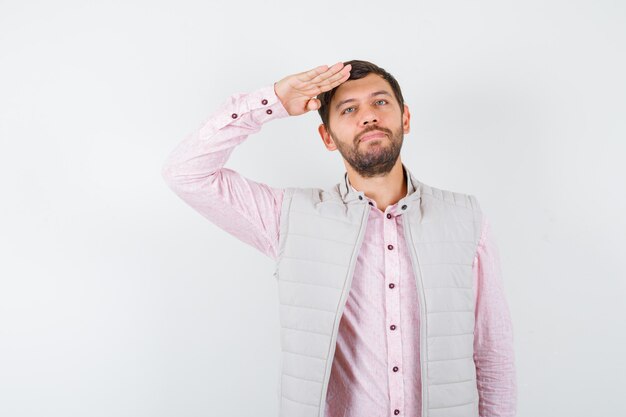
column 353, row 196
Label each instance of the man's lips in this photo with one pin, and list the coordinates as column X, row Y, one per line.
column 374, row 135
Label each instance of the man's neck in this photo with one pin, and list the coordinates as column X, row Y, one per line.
column 385, row 190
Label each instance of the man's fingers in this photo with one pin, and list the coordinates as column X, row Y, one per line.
column 336, row 79
column 323, row 78
column 310, row 74
column 332, row 71
column 314, row 88
column 328, row 84
column 319, row 76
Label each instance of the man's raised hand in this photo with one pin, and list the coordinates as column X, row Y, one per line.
column 298, row 92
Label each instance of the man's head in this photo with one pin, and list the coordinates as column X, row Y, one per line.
column 368, row 102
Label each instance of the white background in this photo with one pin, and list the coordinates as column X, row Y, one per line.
column 117, row 299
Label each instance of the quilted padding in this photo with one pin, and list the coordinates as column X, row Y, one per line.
column 321, row 232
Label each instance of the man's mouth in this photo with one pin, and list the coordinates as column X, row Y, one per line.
column 377, row 134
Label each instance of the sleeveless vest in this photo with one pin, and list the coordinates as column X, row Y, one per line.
column 321, row 232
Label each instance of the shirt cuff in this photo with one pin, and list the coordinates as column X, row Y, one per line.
column 265, row 105
column 258, row 107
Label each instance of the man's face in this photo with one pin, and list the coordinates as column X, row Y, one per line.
column 361, row 108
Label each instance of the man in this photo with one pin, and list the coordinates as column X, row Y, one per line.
column 391, row 301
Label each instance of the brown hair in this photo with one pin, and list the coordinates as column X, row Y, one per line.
column 359, row 70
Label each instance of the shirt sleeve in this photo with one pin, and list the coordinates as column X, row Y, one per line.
column 493, row 336
column 194, row 170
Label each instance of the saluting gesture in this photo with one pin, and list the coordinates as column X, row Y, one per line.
column 298, row 92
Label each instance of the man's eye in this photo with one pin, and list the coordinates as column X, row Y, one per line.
column 377, row 101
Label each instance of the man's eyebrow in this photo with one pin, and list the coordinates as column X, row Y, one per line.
column 375, row 93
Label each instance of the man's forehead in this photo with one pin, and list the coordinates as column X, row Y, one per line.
column 363, row 87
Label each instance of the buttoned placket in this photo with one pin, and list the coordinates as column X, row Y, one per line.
column 392, row 308
column 393, row 330
column 392, row 303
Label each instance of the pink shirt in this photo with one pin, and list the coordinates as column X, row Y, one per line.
column 376, row 368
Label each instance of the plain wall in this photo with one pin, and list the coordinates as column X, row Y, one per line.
column 117, row 299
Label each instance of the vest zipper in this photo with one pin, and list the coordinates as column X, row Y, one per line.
column 408, row 236
column 342, row 302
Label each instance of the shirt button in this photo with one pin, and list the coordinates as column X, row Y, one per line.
column 404, row 207
column 360, row 197
column 371, row 204
column 389, row 215
column 396, row 411
column 392, row 327
column 268, row 111
column 390, row 247
column 263, row 101
column 395, row 369
column 234, row 115
column 391, row 285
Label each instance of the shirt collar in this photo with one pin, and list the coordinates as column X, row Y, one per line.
column 351, row 195
column 409, row 183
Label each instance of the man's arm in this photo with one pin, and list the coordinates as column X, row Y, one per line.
column 195, row 171
column 493, row 336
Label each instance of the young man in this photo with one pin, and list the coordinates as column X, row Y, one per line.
column 391, row 300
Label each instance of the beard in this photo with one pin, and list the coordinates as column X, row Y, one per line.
column 375, row 157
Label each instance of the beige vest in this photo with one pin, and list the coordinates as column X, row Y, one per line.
column 321, row 232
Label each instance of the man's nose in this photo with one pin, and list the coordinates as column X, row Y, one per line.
column 370, row 117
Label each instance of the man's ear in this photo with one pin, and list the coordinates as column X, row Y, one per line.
column 328, row 141
column 406, row 119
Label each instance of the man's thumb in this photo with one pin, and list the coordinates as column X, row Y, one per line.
column 313, row 104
